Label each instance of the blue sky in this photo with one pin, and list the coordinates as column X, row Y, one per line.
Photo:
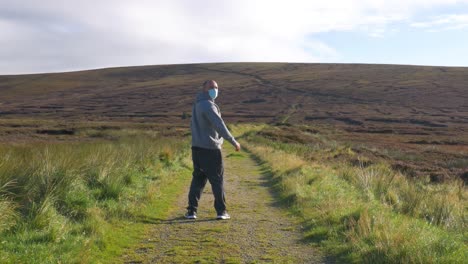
column 57, row 35
column 407, row 46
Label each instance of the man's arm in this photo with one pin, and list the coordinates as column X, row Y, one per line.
column 220, row 126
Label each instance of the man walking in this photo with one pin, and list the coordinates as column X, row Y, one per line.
column 208, row 131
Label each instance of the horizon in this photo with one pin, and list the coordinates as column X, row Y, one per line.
column 53, row 38
column 228, row 62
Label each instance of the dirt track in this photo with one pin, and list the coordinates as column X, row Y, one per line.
column 259, row 231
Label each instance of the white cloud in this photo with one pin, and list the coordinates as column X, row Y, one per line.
column 443, row 22
column 55, row 35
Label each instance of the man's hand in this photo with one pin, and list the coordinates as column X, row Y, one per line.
column 238, row 147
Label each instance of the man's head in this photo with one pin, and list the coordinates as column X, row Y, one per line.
column 211, row 87
column 209, row 84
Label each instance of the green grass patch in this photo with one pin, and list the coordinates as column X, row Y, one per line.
column 364, row 214
column 235, row 155
column 84, row 202
column 128, row 233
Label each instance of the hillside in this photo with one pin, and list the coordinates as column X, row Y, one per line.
column 411, row 110
column 352, row 94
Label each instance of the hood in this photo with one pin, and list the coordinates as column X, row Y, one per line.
column 201, row 96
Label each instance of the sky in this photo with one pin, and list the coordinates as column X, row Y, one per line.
column 61, row 35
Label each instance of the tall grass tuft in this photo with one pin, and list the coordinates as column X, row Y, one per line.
column 439, row 204
column 64, row 192
column 8, row 215
column 366, row 214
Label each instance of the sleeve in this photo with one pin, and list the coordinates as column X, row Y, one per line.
column 218, row 123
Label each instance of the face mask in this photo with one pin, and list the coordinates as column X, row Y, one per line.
column 213, row 93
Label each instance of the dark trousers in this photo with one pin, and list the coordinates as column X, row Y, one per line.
column 207, row 166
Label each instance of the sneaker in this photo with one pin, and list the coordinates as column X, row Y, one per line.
column 190, row 214
column 223, row 216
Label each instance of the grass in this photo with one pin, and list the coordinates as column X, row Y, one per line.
column 366, row 213
column 81, row 202
column 86, row 201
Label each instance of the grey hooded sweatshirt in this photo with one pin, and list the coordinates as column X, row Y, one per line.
column 208, row 128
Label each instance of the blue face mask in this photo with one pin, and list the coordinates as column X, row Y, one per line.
column 213, row 93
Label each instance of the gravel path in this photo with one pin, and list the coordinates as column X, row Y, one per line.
column 258, row 232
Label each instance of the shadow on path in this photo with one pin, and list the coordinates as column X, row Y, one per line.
column 172, row 221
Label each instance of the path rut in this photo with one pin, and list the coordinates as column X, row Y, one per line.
column 259, row 231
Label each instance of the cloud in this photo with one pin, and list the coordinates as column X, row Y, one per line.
column 444, row 22
column 54, row 35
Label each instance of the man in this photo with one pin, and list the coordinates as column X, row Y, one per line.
column 208, row 131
